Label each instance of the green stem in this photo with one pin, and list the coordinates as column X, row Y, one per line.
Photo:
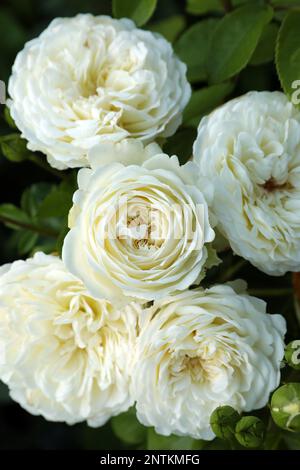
column 26, row 226
column 39, row 161
column 271, row 292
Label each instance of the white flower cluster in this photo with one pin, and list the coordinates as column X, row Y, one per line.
column 73, row 357
column 115, row 323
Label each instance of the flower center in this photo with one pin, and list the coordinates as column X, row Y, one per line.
column 272, row 185
column 195, row 366
column 143, row 227
column 204, row 365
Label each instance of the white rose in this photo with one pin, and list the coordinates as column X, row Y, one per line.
column 89, row 78
column 63, row 354
column 201, row 349
column 137, row 230
column 249, row 149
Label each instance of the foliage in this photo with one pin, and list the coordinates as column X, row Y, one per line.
column 288, row 51
column 140, row 11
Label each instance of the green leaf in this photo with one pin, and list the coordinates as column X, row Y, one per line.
column 8, row 118
column 127, row 428
column 181, row 144
column 250, row 432
column 56, row 204
column 58, row 201
column 31, row 201
column 33, row 197
column 170, row 28
column 193, row 47
column 26, row 241
column 235, row 39
column 14, row 147
column 158, row 442
column 204, row 101
column 10, row 214
column 200, row 7
column 265, row 48
column 26, row 219
column 288, row 52
column 140, row 11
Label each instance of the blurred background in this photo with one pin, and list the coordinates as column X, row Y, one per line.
column 21, row 20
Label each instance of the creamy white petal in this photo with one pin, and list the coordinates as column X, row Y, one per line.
column 137, row 230
column 201, row 349
column 63, row 354
column 249, row 150
column 89, row 79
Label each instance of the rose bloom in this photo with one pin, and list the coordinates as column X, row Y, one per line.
column 89, row 78
column 63, row 354
column 249, row 149
column 201, row 349
column 137, row 230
